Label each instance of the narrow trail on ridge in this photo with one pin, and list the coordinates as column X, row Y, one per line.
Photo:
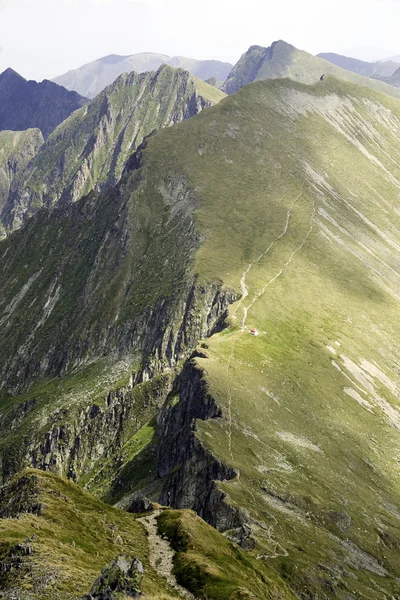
column 245, row 292
column 161, row 554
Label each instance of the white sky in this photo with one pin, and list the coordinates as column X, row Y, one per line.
column 44, row 38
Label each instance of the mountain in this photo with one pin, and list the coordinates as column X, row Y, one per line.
column 283, row 60
column 90, row 79
column 219, row 332
column 393, row 79
column 368, row 69
column 89, row 149
column 28, row 104
column 17, row 148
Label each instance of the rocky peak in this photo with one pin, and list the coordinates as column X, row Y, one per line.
column 10, row 76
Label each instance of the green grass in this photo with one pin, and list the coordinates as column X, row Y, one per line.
column 74, row 538
column 309, row 455
column 284, row 60
column 211, row 566
column 311, row 174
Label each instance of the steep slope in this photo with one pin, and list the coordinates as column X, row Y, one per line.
column 17, row 148
column 28, row 104
column 55, row 540
column 90, row 149
column 368, row 69
column 282, row 201
column 283, row 60
column 91, row 79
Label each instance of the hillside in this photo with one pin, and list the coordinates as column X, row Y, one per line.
column 28, row 104
column 283, row 60
column 89, row 150
column 368, row 69
column 91, row 79
column 17, row 148
column 74, row 537
column 126, row 357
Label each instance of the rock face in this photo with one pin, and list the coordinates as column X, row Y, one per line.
column 17, row 148
column 89, row 150
column 122, row 576
column 190, row 471
column 283, row 60
column 91, row 79
column 28, row 104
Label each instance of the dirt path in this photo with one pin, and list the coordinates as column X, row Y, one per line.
column 245, row 292
column 161, row 554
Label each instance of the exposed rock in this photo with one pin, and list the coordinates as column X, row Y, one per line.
column 17, row 148
column 190, row 470
column 122, row 576
column 20, row 496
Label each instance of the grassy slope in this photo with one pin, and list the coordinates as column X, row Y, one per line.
column 312, row 403
column 313, row 425
column 288, row 61
column 74, row 538
column 211, row 566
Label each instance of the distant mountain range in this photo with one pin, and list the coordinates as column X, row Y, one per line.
column 90, row 79
column 28, row 104
column 284, row 60
column 368, row 69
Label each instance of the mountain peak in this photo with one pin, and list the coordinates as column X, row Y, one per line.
column 10, row 75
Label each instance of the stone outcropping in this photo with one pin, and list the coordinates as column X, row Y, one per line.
column 189, row 469
column 122, row 576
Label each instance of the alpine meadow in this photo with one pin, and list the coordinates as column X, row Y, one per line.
column 199, row 328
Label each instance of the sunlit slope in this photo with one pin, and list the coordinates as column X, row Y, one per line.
column 55, row 540
column 299, row 190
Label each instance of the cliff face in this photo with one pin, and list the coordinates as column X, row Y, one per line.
column 17, row 149
column 189, row 470
column 89, row 150
column 28, row 104
column 102, row 282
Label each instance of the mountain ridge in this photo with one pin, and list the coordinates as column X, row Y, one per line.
column 275, row 211
column 104, row 133
column 284, row 60
column 27, row 104
column 91, row 78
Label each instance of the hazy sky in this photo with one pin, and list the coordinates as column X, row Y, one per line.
column 44, row 38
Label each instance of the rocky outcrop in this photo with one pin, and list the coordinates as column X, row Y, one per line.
column 28, row 104
column 89, row 150
column 190, row 470
column 122, row 576
column 20, row 496
column 17, row 149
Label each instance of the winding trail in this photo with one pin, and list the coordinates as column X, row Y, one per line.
column 245, row 292
column 161, row 554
